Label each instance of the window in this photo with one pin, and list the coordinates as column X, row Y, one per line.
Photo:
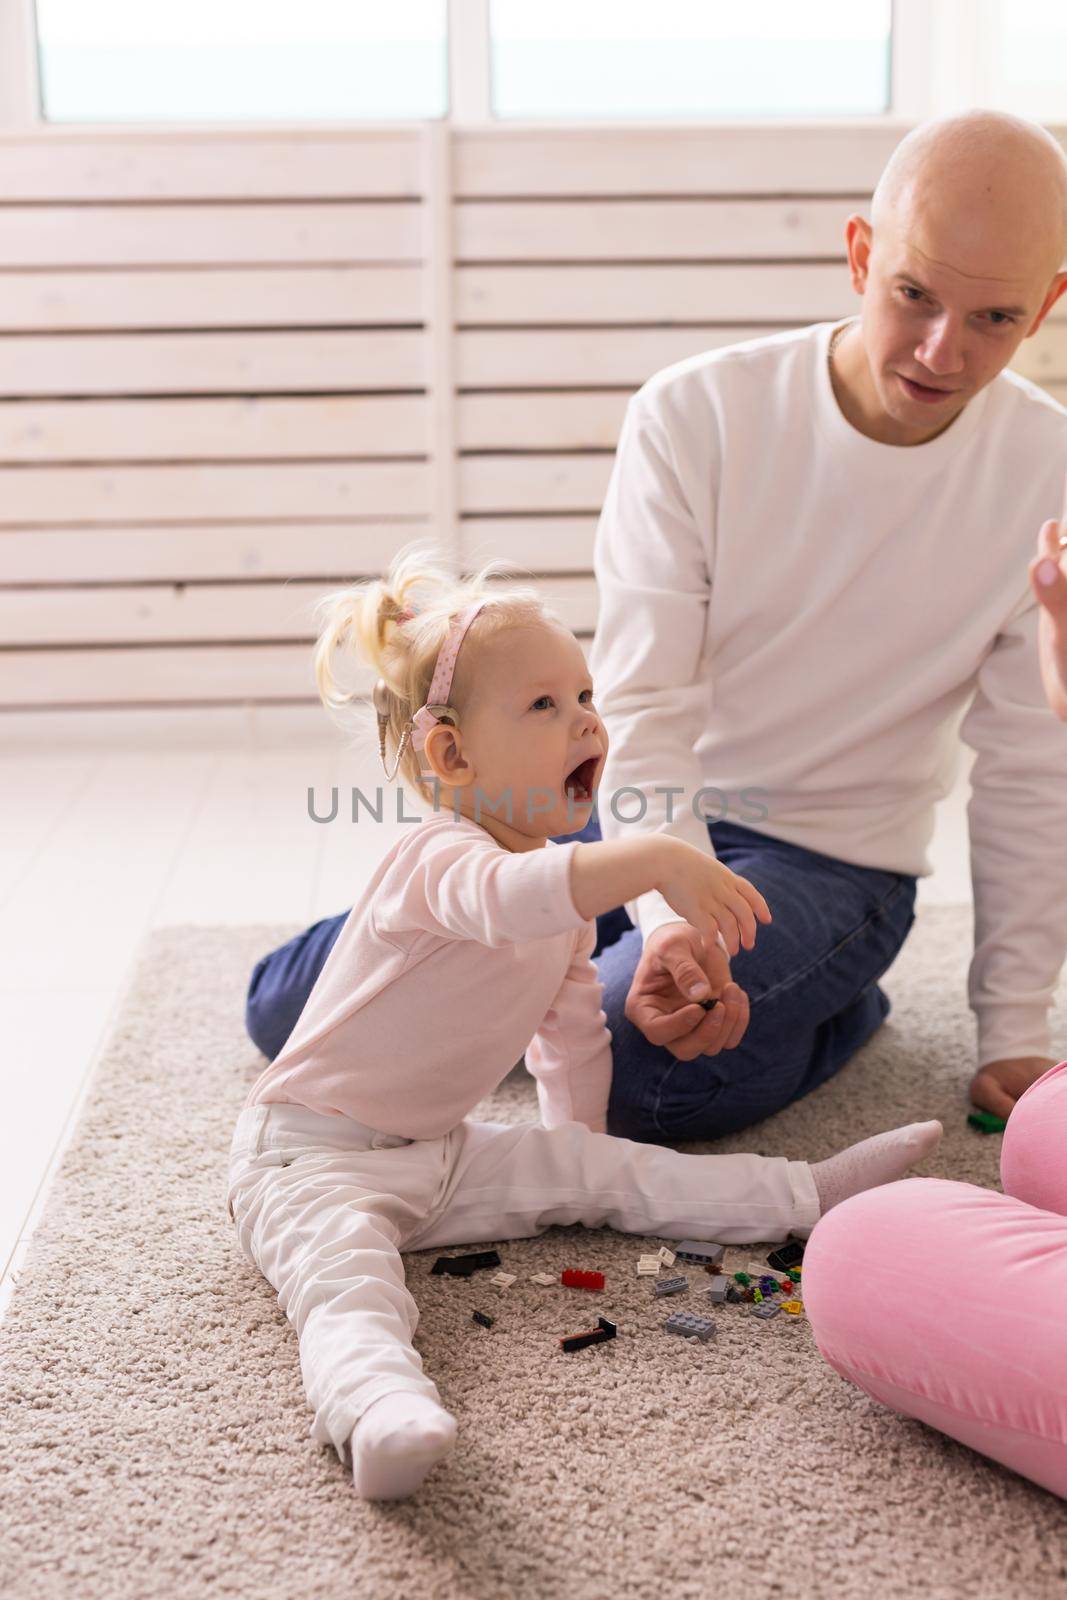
column 689, row 58
column 1027, row 59
column 241, row 60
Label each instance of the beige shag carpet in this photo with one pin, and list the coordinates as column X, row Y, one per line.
column 154, row 1421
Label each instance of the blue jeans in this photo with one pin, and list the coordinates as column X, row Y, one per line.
column 811, row 981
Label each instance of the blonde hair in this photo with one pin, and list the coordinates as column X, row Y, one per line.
column 366, row 619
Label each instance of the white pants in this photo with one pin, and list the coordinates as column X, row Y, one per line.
column 324, row 1205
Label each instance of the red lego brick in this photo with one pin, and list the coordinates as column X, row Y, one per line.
column 575, row 1279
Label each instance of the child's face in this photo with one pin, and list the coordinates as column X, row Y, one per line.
column 528, row 722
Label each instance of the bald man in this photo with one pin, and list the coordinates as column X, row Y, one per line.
column 813, row 568
column 813, row 573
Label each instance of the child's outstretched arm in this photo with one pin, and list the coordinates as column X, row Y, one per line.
column 702, row 889
column 462, row 887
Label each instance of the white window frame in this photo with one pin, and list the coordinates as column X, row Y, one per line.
column 940, row 63
column 19, row 77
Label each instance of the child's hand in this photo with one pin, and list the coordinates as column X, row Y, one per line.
column 710, row 897
column 1048, row 579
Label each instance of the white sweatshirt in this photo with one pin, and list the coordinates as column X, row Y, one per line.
column 790, row 607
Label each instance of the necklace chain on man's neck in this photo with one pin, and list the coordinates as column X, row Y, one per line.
column 835, row 337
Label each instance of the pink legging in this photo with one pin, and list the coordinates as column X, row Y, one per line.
column 949, row 1302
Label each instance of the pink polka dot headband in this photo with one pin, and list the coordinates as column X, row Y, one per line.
column 436, row 708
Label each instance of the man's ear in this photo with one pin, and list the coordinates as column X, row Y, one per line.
column 1055, row 289
column 858, row 244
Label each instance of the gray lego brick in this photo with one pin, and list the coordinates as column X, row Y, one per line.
column 702, row 1251
column 670, row 1286
column 690, row 1326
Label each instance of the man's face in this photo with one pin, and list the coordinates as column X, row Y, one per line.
column 934, row 335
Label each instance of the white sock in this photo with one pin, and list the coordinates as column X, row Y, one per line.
column 882, row 1159
column 395, row 1443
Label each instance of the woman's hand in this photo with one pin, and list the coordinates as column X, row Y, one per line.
column 710, row 897
column 1048, row 579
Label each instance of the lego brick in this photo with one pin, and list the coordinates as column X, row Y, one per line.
column 573, row 1278
column 545, row 1279
column 704, row 1252
column 503, row 1280
column 717, row 1292
column 794, row 1307
column 986, row 1122
column 769, row 1308
column 480, row 1316
column 666, row 1256
column 463, row 1266
column 604, row 1331
column 787, row 1255
column 670, row 1286
column 756, row 1270
column 690, row 1326
column 734, row 1296
column 648, row 1264
column 581, row 1341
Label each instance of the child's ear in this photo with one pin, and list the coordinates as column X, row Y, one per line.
column 444, row 753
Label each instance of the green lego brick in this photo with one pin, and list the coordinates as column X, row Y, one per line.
column 986, row 1122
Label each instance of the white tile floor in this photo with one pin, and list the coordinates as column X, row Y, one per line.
column 113, row 823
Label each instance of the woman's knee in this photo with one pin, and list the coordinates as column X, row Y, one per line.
column 887, row 1316
column 871, row 1256
column 1032, row 1165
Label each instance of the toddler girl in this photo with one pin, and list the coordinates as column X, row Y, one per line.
column 471, row 946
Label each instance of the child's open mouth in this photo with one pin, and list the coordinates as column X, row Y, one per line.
column 579, row 783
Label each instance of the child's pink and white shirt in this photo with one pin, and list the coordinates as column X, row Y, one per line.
column 460, row 957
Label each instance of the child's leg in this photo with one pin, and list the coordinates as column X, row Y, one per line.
column 1032, row 1157
column 324, row 1229
column 512, row 1182
column 984, row 1362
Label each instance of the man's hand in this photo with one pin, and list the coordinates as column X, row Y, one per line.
column 997, row 1085
column 1048, row 581
column 676, row 957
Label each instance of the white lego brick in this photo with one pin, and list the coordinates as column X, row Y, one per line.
column 648, row 1264
column 666, row 1256
column 543, row 1278
column 504, row 1279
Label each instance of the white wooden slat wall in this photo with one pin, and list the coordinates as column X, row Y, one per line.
column 238, row 367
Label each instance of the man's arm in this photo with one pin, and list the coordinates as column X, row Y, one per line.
column 652, row 563
column 1018, row 827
